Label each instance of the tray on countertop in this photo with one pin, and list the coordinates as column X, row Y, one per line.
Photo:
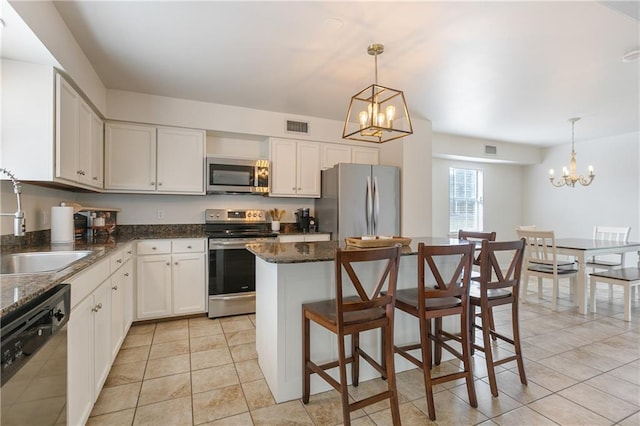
column 377, row 242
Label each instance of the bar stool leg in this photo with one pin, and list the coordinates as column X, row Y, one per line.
column 306, row 354
column 425, row 331
column 488, row 353
column 355, row 365
column 389, row 367
column 516, row 342
column 466, row 356
column 343, row 381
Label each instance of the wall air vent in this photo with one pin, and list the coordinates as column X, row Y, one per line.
column 488, row 149
column 297, row 127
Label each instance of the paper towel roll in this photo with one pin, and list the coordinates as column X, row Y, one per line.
column 61, row 224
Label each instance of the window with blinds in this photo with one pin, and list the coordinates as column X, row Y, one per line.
column 465, row 199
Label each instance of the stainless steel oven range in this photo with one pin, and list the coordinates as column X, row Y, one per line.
column 232, row 279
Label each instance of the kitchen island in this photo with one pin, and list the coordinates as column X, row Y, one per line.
column 290, row 274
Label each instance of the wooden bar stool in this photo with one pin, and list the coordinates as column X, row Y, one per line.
column 500, row 272
column 442, row 298
column 350, row 315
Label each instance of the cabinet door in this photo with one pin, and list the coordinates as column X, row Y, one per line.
column 67, row 113
column 84, row 143
column 97, row 151
column 117, row 312
column 153, row 283
column 361, row 155
column 127, row 284
column 80, row 387
column 130, row 157
column 102, row 335
column 181, row 154
column 189, row 283
column 333, row 154
column 283, row 167
column 308, row 173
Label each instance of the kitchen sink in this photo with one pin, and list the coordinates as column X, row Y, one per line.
column 36, row 262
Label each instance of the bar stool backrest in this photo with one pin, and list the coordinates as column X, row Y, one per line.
column 501, row 265
column 448, row 281
column 478, row 238
column 382, row 295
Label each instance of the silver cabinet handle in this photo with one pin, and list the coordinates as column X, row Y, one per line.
column 100, row 305
column 294, row 188
column 152, row 183
column 189, row 247
column 95, row 178
column 153, row 248
column 94, row 309
column 168, row 263
column 159, row 183
column 128, row 251
column 115, row 287
column 126, row 274
column 119, row 261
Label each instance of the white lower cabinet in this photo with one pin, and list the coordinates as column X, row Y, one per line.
column 101, row 314
column 171, row 277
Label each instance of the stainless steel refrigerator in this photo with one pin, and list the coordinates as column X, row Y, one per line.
column 359, row 199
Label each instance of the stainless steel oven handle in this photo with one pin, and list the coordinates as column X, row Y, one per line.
column 227, row 246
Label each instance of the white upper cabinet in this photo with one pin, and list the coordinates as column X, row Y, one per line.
column 181, row 155
column 362, row 155
column 333, row 154
column 78, row 139
column 295, row 168
column 130, row 157
column 141, row 158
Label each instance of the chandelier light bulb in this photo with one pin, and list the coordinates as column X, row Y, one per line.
column 391, row 114
column 364, row 117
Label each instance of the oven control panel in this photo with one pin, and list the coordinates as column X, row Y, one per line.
column 229, row 215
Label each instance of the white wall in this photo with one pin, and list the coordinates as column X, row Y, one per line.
column 36, row 204
column 47, row 24
column 186, row 209
column 612, row 199
column 503, row 198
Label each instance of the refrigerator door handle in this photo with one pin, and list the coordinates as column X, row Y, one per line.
column 376, row 205
column 369, row 207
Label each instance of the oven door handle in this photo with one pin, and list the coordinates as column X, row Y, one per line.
column 227, row 246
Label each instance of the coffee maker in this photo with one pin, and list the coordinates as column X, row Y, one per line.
column 303, row 219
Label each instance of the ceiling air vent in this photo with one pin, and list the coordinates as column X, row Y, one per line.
column 488, row 149
column 297, row 127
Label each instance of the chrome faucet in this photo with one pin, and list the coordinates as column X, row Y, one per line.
column 18, row 216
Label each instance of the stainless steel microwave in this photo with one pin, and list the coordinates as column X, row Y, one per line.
column 234, row 175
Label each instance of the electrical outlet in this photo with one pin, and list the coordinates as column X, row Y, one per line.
column 160, row 214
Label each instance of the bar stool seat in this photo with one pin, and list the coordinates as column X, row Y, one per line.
column 348, row 315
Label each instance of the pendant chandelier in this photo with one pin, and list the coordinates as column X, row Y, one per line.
column 377, row 114
column 569, row 177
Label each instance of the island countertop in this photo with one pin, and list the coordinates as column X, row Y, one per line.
column 323, row 251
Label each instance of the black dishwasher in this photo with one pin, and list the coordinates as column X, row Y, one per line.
column 33, row 353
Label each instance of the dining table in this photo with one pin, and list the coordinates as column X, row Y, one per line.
column 582, row 249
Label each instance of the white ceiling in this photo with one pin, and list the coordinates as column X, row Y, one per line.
column 510, row 71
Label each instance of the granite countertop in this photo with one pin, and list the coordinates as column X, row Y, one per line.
column 18, row 289
column 324, row 251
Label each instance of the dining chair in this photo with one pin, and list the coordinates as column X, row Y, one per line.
column 609, row 233
column 542, row 262
column 371, row 308
column 444, row 274
column 501, row 269
column 527, row 227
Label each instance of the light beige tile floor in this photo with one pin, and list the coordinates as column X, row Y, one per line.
column 582, row 370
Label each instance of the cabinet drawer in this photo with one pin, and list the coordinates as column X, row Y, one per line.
column 154, row 247
column 88, row 280
column 117, row 260
column 188, row 245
